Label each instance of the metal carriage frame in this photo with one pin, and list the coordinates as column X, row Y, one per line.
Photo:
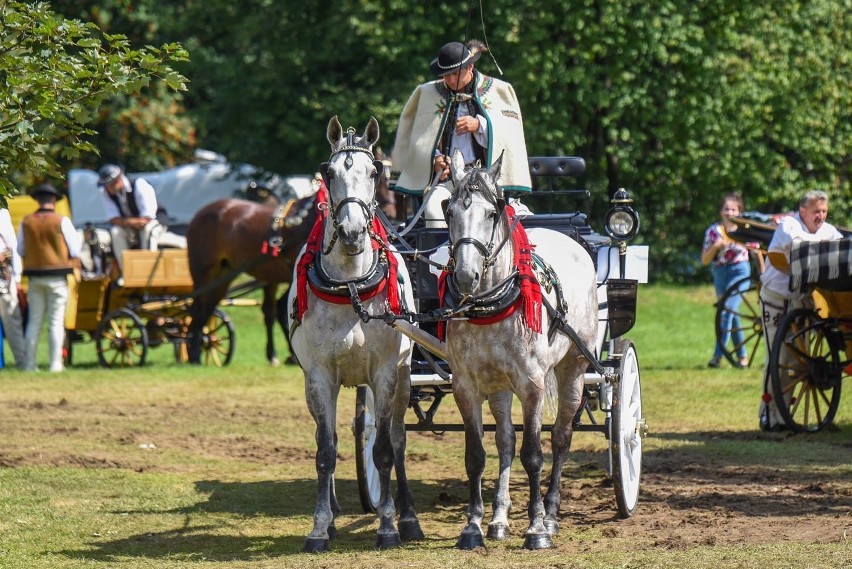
column 612, row 391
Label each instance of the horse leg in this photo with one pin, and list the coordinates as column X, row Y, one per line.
column 409, row 525
column 281, row 308
column 532, row 458
column 269, row 308
column 321, row 395
column 474, row 461
column 501, row 407
column 384, row 458
column 570, row 386
column 200, row 310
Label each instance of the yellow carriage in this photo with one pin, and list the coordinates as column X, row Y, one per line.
column 812, row 350
column 148, row 309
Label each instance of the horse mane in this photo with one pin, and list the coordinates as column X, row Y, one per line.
column 476, row 180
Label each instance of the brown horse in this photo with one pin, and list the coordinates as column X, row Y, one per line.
column 232, row 236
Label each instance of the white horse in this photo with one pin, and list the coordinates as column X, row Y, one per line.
column 337, row 347
column 494, row 358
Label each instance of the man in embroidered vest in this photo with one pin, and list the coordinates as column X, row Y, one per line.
column 131, row 209
column 464, row 110
column 48, row 244
column 10, row 291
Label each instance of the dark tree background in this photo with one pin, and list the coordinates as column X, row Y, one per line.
column 680, row 103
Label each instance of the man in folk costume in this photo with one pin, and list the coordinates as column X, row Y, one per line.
column 131, row 208
column 465, row 110
column 48, row 244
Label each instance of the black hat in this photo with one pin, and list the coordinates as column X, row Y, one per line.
column 452, row 57
column 108, row 174
column 46, row 189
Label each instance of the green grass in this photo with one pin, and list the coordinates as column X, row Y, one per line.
column 230, row 481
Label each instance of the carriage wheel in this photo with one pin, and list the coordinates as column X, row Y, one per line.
column 750, row 317
column 364, row 428
column 812, row 373
column 121, row 340
column 217, row 341
column 627, row 427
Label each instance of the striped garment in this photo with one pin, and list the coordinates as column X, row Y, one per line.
column 827, row 264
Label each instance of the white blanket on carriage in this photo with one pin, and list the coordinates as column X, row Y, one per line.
column 820, row 263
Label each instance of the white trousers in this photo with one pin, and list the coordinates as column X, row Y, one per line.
column 47, row 297
column 122, row 238
column 13, row 324
column 774, row 307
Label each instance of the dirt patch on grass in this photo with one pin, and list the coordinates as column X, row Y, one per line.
column 687, row 499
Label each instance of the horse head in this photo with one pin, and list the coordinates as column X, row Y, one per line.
column 475, row 221
column 352, row 175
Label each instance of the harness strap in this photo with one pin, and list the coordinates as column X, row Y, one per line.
column 276, row 240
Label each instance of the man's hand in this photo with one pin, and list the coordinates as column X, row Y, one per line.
column 442, row 165
column 467, row 125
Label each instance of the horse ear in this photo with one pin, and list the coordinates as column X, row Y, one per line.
column 457, row 166
column 444, row 205
column 497, row 167
column 334, row 132
column 371, row 133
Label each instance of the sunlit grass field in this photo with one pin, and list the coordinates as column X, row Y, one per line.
column 137, row 468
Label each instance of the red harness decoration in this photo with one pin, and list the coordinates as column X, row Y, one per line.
column 529, row 298
column 313, row 247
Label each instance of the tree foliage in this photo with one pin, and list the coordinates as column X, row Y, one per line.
column 678, row 102
column 55, row 74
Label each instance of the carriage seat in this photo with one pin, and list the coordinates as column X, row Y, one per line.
column 575, row 225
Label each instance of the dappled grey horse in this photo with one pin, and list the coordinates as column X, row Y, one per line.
column 514, row 342
column 347, row 261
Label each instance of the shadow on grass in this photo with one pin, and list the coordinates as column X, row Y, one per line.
column 267, row 500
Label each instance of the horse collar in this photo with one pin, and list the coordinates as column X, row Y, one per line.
column 326, row 286
column 490, row 304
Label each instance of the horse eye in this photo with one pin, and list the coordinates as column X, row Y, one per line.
column 492, row 215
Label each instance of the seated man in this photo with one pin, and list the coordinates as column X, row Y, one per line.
column 131, row 209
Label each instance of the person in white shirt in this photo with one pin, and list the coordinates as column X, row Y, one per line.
column 131, row 209
column 47, row 261
column 776, row 298
column 10, row 291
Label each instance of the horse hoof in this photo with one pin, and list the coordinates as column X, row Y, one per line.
column 274, row 362
column 409, row 530
column 498, row 532
column 552, row 527
column 291, row 361
column 315, row 545
column 468, row 541
column 388, row 540
column 332, row 533
column 535, row 541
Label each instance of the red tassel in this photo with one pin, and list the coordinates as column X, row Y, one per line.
column 264, row 248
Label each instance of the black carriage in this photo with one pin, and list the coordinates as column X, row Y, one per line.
column 612, row 394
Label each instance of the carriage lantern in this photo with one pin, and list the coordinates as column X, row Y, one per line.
column 622, row 221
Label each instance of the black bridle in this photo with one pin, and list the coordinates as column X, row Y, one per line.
column 351, row 146
column 488, row 251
